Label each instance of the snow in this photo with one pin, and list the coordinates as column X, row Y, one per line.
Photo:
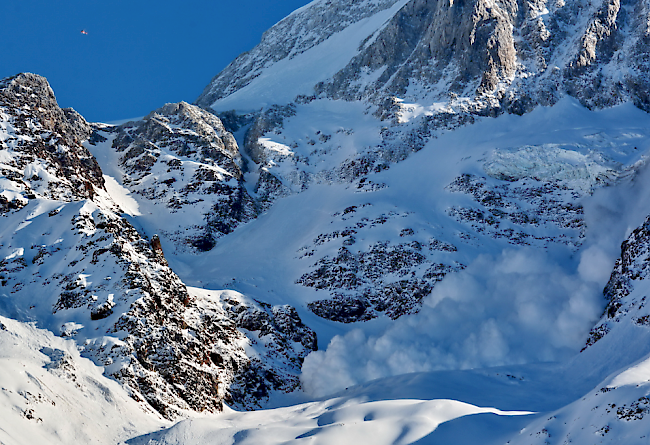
column 262, row 259
column 274, row 146
column 16, row 253
column 282, row 81
column 636, row 375
column 121, row 196
column 512, row 305
column 335, row 421
column 49, row 394
column 511, row 308
column 23, row 225
column 124, row 121
column 409, row 111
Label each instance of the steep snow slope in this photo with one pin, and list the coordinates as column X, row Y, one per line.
column 597, row 396
column 452, row 407
column 526, row 183
column 308, row 46
column 51, row 395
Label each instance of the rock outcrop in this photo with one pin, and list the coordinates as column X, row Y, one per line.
column 182, row 159
column 83, row 271
column 626, row 307
column 43, row 154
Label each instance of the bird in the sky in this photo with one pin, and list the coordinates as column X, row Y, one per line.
column 83, row 31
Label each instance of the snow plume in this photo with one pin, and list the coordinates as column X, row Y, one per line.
column 519, row 305
column 513, row 307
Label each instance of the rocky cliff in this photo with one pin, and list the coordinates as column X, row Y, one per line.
column 73, row 265
column 181, row 159
column 490, row 56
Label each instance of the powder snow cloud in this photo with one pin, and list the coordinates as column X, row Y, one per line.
column 519, row 305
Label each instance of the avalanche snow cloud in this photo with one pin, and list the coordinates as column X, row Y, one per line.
column 514, row 306
column 509, row 306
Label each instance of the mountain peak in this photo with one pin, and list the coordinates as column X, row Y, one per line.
column 499, row 56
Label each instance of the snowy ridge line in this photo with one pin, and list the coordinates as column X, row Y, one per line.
column 343, row 421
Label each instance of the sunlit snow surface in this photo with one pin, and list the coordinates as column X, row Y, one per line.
column 335, row 421
column 512, row 305
column 121, row 196
column 50, row 395
column 282, row 81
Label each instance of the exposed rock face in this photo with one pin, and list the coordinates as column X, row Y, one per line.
column 83, row 271
column 28, row 91
column 42, row 145
column 185, row 130
column 631, row 269
column 507, row 55
column 175, row 350
column 535, row 189
column 282, row 342
column 385, row 278
column 182, row 157
column 361, row 286
column 513, row 210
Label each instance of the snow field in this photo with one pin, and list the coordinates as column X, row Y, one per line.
column 49, row 394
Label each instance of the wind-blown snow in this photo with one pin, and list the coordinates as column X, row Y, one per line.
column 517, row 306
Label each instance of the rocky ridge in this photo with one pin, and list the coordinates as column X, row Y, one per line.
column 493, row 56
column 181, row 158
column 42, row 147
column 300, row 31
column 82, row 271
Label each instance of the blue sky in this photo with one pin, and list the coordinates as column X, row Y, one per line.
column 137, row 55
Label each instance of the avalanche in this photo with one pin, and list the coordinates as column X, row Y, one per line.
column 390, row 222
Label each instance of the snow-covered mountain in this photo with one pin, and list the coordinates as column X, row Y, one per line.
column 74, row 265
column 390, row 222
column 491, row 56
